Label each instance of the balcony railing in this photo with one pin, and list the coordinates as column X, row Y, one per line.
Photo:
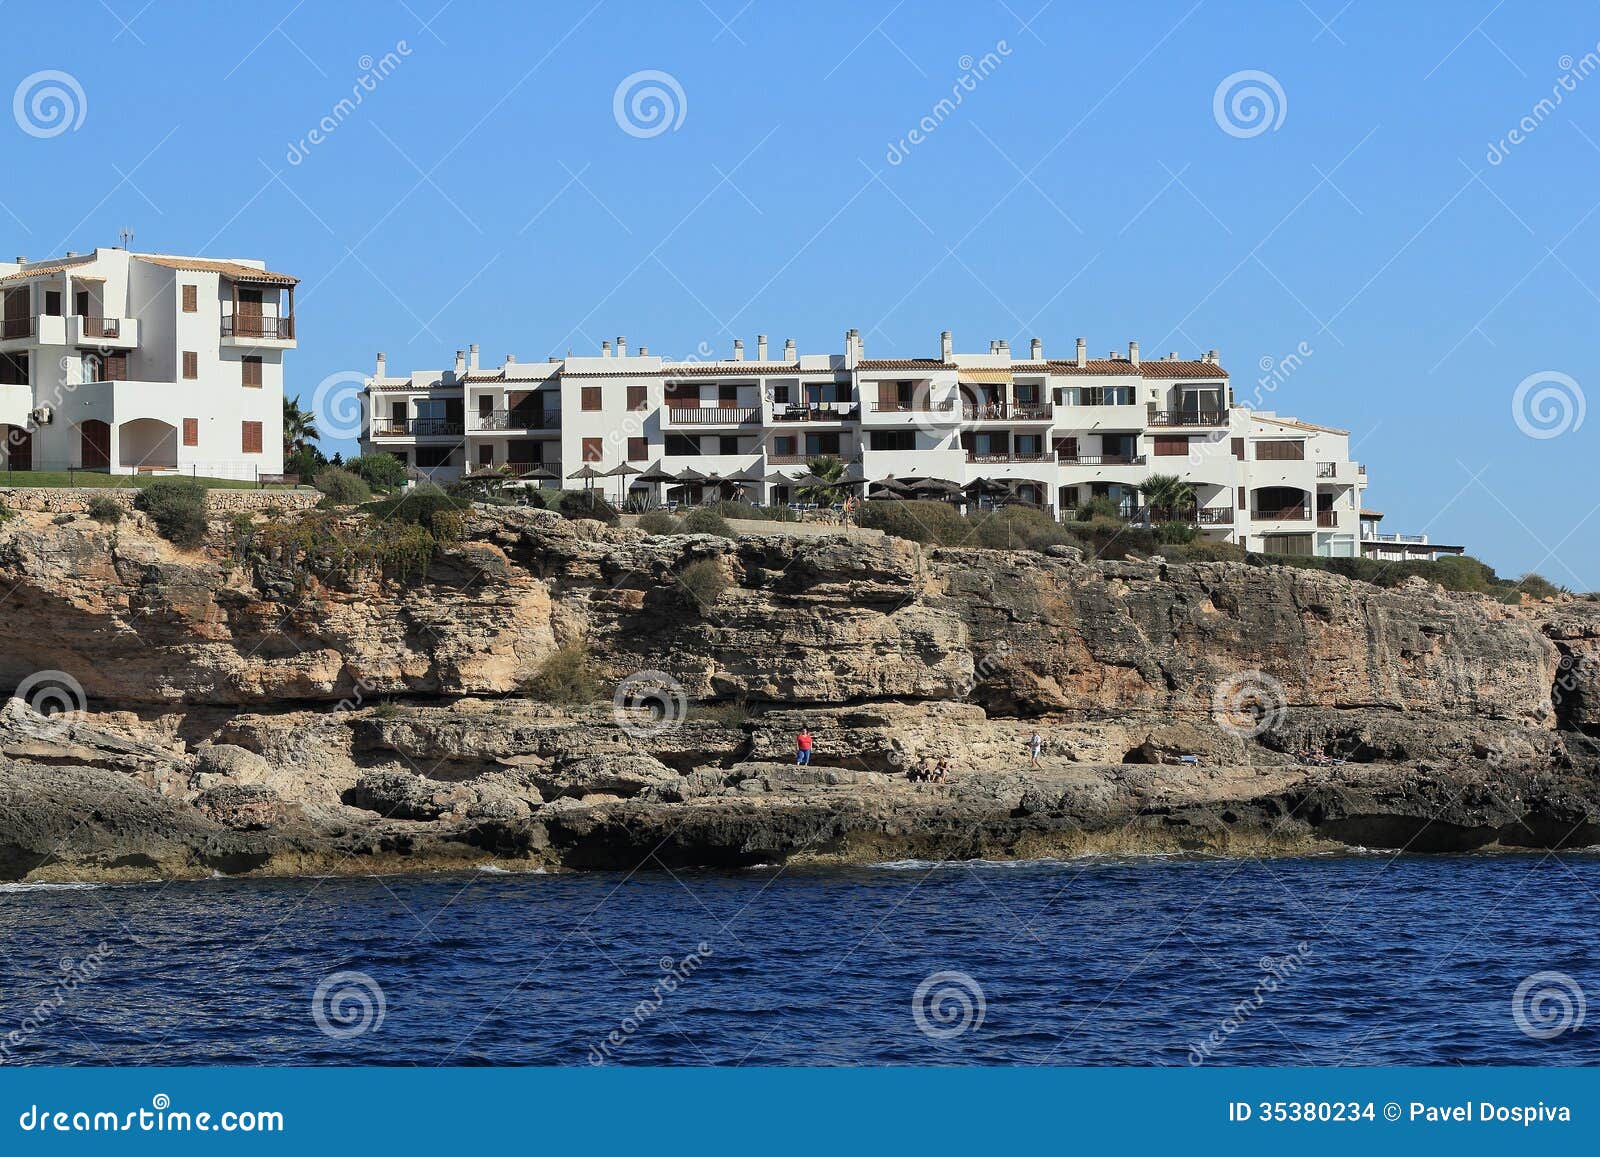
column 14, row 327
column 1003, row 412
column 793, row 459
column 1327, row 469
column 1188, row 418
column 245, row 325
column 101, row 326
column 548, row 419
column 1362, row 469
column 1215, row 516
column 1102, row 460
column 416, row 428
column 1010, row 456
column 812, row 411
column 1329, row 518
column 712, row 415
column 1282, row 514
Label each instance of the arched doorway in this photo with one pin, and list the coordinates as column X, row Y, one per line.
column 94, row 439
column 17, row 448
column 148, row 444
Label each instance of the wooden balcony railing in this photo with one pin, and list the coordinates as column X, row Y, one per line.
column 1282, row 514
column 1328, row 518
column 101, row 326
column 1102, row 460
column 1188, row 418
column 529, row 419
column 14, row 327
column 245, row 325
column 711, row 415
column 1214, row 516
column 416, row 428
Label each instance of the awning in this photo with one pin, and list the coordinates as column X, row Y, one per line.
column 984, row 377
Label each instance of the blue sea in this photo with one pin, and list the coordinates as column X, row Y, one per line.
column 1338, row 960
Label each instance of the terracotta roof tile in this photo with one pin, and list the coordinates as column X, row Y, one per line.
column 1164, row 369
column 44, row 270
column 229, row 269
column 903, row 364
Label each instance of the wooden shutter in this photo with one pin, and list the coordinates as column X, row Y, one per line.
column 638, row 398
column 1067, row 449
column 889, row 396
column 1242, row 500
column 638, row 449
column 251, row 439
column 191, row 299
column 591, row 446
column 191, row 365
column 191, row 431
column 1238, row 448
column 250, row 371
column 590, row 399
column 1280, row 450
column 1169, row 445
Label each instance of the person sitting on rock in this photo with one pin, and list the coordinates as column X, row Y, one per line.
column 803, row 744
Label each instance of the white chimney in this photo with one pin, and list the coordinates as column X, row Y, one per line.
column 1215, row 356
column 461, row 362
column 947, row 347
column 849, row 349
column 1036, row 350
column 644, row 351
column 761, row 347
column 622, row 346
column 1133, row 352
column 1002, row 347
column 1083, row 352
column 605, row 349
column 383, row 365
column 472, row 357
column 738, row 349
column 511, row 359
column 1172, row 355
column 788, row 350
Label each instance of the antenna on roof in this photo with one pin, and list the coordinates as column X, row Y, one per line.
column 127, row 236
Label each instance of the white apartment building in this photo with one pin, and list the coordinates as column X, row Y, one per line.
column 1051, row 432
column 143, row 363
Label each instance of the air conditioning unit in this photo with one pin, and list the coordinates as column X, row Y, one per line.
column 43, row 415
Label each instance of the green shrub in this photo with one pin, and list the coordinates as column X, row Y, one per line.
column 707, row 521
column 1017, row 528
column 422, row 505
column 178, row 508
column 1202, row 551
column 659, row 522
column 104, row 509
column 1538, row 587
column 342, row 487
column 1111, row 541
column 1100, row 507
column 587, row 504
column 703, row 582
column 1175, row 533
column 381, row 470
column 305, row 463
column 937, row 523
column 778, row 514
column 6, row 513
column 566, row 678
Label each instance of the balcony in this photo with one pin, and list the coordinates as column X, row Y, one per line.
column 1327, row 469
column 1282, row 514
column 1214, row 516
column 711, row 415
column 15, row 328
column 812, row 411
column 516, row 420
column 1328, row 519
column 931, row 407
column 1188, row 418
column 1005, row 412
column 247, row 329
column 105, row 332
column 1103, row 460
column 417, row 428
column 1009, row 456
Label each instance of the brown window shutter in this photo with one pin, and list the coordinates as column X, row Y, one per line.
column 191, row 365
column 591, row 446
column 1243, row 502
column 1238, row 448
column 638, row 449
column 638, row 398
column 250, row 369
column 191, row 431
column 252, row 437
column 888, row 395
column 590, row 399
column 191, row 299
column 1168, row 445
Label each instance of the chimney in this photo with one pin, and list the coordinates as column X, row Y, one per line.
column 383, row 365
column 605, row 349
column 738, row 349
column 788, row 349
column 622, row 346
column 472, row 357
column 72, row 252
column 1083, row 352
column 461, row 362
column 1133, row 352
column 1172, row 355
column 1001, row 347
column 761, row 347
column 511, row 359
column 1036, row 350
column 644, row 351
column 1214, row 356
column 849, row 349
column 22, row 261
column 947, row 347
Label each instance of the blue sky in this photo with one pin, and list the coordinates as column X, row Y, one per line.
column 485, row 191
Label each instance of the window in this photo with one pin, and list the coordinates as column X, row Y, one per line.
column 1280, row 450
column 191, row 431
column 785, row 446
column 638, row 398
column 727, row 395
column 638, row 448
column 1167, row 445
column 590, row 398
column 1238, row 448
column 892, row 440
column 727, row 444
column 191, row 299
column 780, row 395
column 251, row 441
column 191, row 365
column 592, row 447
column 1293, row 544
column 431, row 456
column 822, row 444
column 683, row 445
column 250, row 371
column 52, row 303
column 486, row 455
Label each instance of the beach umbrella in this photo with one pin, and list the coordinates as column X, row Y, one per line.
column 622, row 471
column 538, row 474
column 588, row 473
column 688, row 474
column 935, row 488
column 656, row 474
column 891, row 488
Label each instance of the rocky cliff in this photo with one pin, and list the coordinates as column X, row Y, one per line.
column 232, row 710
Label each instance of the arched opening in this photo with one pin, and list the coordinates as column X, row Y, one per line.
column 1281, row 504
column 94, row 444
column 148, row 444
column 16, row 444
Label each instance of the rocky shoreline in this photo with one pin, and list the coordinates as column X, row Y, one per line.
column 255, row 714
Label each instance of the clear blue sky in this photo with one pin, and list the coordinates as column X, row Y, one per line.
column 484, row 191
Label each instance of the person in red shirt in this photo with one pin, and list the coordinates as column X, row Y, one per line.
column 803, row 742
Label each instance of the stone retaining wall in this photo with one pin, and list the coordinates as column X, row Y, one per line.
column 75, row 500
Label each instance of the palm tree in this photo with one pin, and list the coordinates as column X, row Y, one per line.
column 299, row 427
column 1166, row 495
column 830, row 470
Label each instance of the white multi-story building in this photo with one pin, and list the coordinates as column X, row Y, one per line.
column 143, row 363
column 1054, row 433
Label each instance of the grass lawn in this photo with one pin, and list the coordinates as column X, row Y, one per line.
column 88, row 479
